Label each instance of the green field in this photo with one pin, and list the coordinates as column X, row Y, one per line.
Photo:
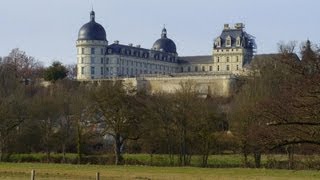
column 214, row 161
column 17, row 171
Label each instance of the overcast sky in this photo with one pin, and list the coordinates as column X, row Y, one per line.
column 48, row 29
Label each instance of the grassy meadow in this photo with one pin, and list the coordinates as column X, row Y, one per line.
column 17, row 171
column 214, row 161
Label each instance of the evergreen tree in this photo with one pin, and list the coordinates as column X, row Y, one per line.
column 55, row 71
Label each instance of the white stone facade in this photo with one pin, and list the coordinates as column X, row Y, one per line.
column 160, row 68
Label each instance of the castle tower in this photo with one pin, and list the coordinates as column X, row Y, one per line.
column 91, row 49
column 233, row 49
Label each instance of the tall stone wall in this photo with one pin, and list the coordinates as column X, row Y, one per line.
column 218, row 85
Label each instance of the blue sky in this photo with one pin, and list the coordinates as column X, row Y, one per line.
column 48, row 29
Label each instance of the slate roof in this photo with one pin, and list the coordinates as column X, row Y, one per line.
column 247, row 41
column 165, row 44
column 139, row 52
column 92, row 30
column 207, row 59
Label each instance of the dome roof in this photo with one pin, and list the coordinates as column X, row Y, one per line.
column 92, row 30
column 165, row 44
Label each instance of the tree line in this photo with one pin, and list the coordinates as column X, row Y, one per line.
column 274, row 109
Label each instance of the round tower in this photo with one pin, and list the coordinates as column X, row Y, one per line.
column 91, row 50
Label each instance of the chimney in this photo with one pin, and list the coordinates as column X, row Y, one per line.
column 226, row 26
column 138, row 46
column 130, row 44
column 116, row 42
column 239, row 26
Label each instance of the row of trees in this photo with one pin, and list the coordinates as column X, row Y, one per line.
column 68, row 116
column 278, row 104
column 275, row 109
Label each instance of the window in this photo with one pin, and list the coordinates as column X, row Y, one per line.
column 203, row 68
column 237, row 67
column 218, row 68
column 101, row 51
column 82, row 60
column 181, row 69
column 92, row 51
column 218, row 59
column 218, row 42
column 228, row 68
column 189, row 69
column 82, row 70
column 101, row 71
column 196, row 69
column 228, row 41
column 82, row 50
column 238, row 41
column 237, row 58
column 101, row 60
column 107, row 61
column 92, row 70
column 92, row 60
column 227, row 59
column 210, row 68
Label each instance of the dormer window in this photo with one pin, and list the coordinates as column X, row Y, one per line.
column 228, row 41
column 238, row 41
column 218, row 42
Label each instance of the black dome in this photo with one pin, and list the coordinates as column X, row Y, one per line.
column 92, row 30
column 165, row 44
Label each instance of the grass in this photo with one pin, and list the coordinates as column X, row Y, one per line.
column 15, row 171
column 216, row 161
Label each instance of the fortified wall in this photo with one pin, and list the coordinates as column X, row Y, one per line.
column 216, row 85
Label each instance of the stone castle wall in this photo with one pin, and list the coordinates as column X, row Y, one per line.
column 218, row 85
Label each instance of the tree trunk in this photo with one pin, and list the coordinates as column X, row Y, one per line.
column 48, row 129
column 79, row 145
column 290, row 152
column 245, row 155
column 205, row 154
column 117, row 149
column 257, row 159
column 2, row 144
column 63, row 152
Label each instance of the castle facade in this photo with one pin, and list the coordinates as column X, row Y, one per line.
column 160, row 68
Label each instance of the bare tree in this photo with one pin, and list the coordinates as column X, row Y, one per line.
column 26, row 67
column 119, row 111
